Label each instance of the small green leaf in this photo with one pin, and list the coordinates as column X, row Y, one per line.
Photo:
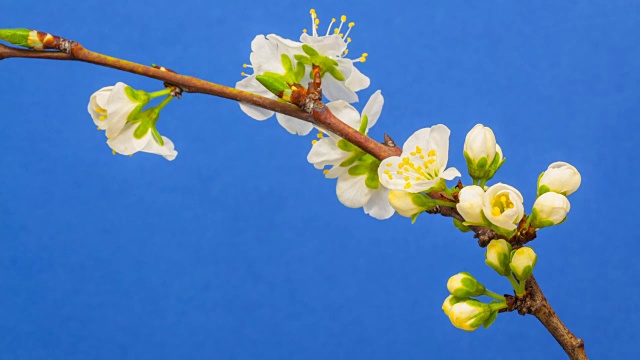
column 299, row 73
column 310, row 51
column 344, row 145
column 335, row 73
column 273, row 82
column 364, row 124
column 15, row 36
column 490, row 319
column 460, row 226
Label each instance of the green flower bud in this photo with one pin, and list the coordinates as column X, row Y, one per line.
column 497, row 256
column 523, row 261
column 470, row 314
column 482, row 153
column 464, row 285
column 274, row 83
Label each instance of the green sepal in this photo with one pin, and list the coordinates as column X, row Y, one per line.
column 303, row 59
column 359, row 169
column 344, row 145
column 490, row 319
column 543, row 190
column 299, row 72
column 414, row 218
column 350, row 161
column 539, row 190
column 460, row 226
column 526, row 272
column 15, row 36
column 310, row 51
column 142, row 129
column 372, row 181
column 156, row 136
column 364, row 124
column 423, row 201
column 273, row 82
column 482, row 164
column 508, row 234
column 335, row 73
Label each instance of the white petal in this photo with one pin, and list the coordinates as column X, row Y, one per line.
column 357, row 81
column 97, row 106
column 378, row 205
column 419, row 138
column 293, row 125
column 119, row 107
column 337, row 90
column 373, row 108
column 345, row 112
column 167, row 150
column 450, row 173
column 439, row 141
column 326, row 152
column 331, row 45
column 352, row 191
column 125, row 143
column 250, row 84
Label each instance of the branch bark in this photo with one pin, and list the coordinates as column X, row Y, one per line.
column 533, row 303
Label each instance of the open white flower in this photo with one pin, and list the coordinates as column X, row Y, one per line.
column 561, row 178
column 422, row 163
column 111, row 107
column 266, row 56
column 358, row 184
column 340, row 78
column 503, row 206
column 333, row 45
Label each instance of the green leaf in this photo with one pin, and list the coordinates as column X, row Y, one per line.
column 273, row 82
column 299, row 73
column 334, row 72
column 15, row 36
column 310, row 51
column 303, row 59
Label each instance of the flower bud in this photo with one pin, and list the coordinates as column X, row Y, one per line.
column 469, row 315
column 449, row 302
column 464, row 285
column 471, row 199
column 480, row 152
column 497, row 256
column 409, row 204
column 561, row 178
column 275, row 83
column 549, row 209
column 523, row 261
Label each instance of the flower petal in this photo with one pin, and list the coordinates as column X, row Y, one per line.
column 293, row 125
column 337, row 90
column 119, row 107
column 373, row 108
column 167, row 150
column 331, row 45
column 357, row 81
column 378, row 205
column 250, row 84
column 352, row 191
column 345, row 112
column 326, row 152
column 450, row 173
column 125, row 143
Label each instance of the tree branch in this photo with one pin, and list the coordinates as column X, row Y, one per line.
column 533, row 302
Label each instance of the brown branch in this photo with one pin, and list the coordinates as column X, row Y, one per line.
column 191, row 84
column 534, row 301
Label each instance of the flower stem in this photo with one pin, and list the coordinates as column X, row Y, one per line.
column 159, row 93
column 519, row 288
column 498, row 306
column 494, row 295
column 164, row 103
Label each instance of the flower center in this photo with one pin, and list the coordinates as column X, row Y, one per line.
column 501, row 203
column 418, row 163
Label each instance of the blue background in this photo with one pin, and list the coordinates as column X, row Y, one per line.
column 239, row 249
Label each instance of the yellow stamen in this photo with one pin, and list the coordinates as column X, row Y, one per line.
column 343, row 18
column 113, row 152
column 325, row 171
column 313, row 142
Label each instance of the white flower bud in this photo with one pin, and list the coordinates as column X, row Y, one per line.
column 503, row 206
column 449, row 302
column 523, row 261
column 471, row 200
column 497, row 256
column 464, row 285
column 409, row 204
column 481, row 153
column 469, row 314
column 550, row 209
column 561, row 178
